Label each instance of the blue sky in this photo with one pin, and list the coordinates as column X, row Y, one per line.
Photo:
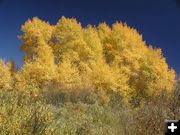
column 157, row 20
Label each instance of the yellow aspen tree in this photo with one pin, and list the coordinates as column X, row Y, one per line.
column 67, row 39
column 104, row 32
column 39, row 64
column 107, row 79
column 80, row 45
column 68, row 75
column 33, row 30
column 111, row 58
column 42, row 68
column 154, row 74
column 93, row 48
column 5, row 76
column 145, row 67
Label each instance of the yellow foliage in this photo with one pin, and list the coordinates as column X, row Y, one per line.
column 42, row 67
column 93, row 49
column 5, row 76
column 67, row 39
column 71, row 41
column 108, row 79
column 33, row 30
column 154, row 75
column 108, row 58
column 68, row 75
column 145, row 67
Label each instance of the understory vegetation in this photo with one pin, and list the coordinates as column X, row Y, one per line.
column 21, row 114
column 96, row 80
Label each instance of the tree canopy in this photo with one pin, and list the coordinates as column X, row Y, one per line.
column 108, row 59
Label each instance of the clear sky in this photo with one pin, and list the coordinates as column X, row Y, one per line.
column 157, row 20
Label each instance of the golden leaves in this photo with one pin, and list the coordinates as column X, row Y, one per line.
column 5, row 76
column 109, row 58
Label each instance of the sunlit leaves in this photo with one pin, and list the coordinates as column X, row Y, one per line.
column 107, row 58
column 5, row 76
